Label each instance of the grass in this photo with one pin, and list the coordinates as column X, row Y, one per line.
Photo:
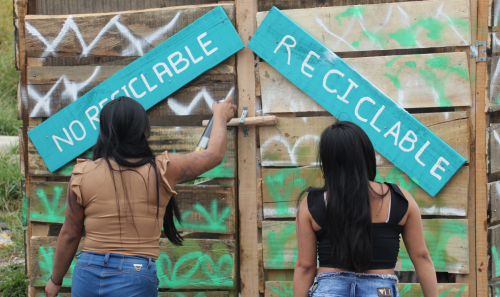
column 13, row 282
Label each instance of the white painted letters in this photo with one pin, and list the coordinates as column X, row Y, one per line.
column 114, row 94
column 73, row 132
column 124, row 88
column 151, row 89
column 68, row 141
column 304, row 64
column 326, row 77
column 417, row 156
column 438, row 165
column 179, row 60
column 395, row 134
column 372, row 123
column 353, row 84
column 356, row 111
column 160, row 74
column 407, row 138
column 191, row 55
column 133, row 90
column 204, row 45
column 94, row 118
column 288, row 46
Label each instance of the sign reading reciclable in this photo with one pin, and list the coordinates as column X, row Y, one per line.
column 200, row 46
column 326, row 78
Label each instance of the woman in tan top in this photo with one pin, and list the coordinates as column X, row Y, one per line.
column 125, row 196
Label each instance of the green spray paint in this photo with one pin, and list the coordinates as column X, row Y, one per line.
column 287, row 292
column 280, row 187
column 395, row 176
column 214, row 221
column 201, row 294
column 221, row 170
column 389, row 64
column 497, row 292
column 496, row 260
column 354, row 11
column 196, row 269
column 46, row 262
column 416, row 291
column 52, row 213
column 405, row 290
column 437, row 240
column 25, row 209
column 375, row 38
column 395, row 78
column 276, row 246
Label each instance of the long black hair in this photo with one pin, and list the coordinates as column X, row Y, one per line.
column 124, row 130
column 347, row 161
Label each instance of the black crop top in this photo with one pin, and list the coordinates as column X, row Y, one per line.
column 385, row 236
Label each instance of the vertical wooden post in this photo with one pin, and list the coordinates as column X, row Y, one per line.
column 247, row 164
column 481, row 173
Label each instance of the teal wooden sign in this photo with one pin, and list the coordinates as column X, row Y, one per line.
column 200, row 46
column 326, row 78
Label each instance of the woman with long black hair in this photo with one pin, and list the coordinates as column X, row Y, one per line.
column 125, row 196
column 352, row 225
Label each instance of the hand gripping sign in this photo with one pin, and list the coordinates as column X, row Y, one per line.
column 200, row 46
column 326, row 78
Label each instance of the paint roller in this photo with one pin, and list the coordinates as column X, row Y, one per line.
column 203, row 144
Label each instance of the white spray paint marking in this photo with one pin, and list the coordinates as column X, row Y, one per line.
column 407, row 21
column 71, row 90
column 291, row 150
column 497, row 138
column 401, row 97
column 443, row 211
column 270, row 211
column 180, row 109
column 379, row 28
column 452, row 27
column 135, row 48
column 446, row 115
column 497, row 187
column 496, row 12
column 320, row 22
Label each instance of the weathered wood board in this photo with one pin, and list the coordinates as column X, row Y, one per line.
column 199, row 263
column 181, row 140
column 125, row 33
column 446, row 239
column 285, row 289
column 264, row 5
column 493, row 84
column 495, row 15
column 385, row 26
column 300, row 137
column 494, row 149
column 281, row 188
column 52, row 88
column 494, row 43
column 52, row 7
column 169, row 294
column 494, row 286
column 203, row 208
column 412, row 81
column 493, row 193
column 494, row 251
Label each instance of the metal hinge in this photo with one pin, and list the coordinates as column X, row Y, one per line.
column 474, row 51
column 242, row 121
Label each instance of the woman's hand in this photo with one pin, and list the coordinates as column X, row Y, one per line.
column 51, row 289
column 224, row 109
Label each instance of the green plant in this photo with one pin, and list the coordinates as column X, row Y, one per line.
column 13, row 282
column 10, row 180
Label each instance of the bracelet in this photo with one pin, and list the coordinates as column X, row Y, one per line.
column 57, row 284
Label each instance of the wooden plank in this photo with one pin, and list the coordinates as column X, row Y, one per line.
column 494, row 252
column 493, row 193
column 281, row 188
column 494, row 149
column 265, row 5
column 169, row 294
column 412, row 81
column 51, row 89
column 125, row 33
column 174, row 139
column 494, row 43
column 446, row 240
column 211, row 263
column 300, row 136
column 385, row 26
column 247, row 164
column 203, row 208
column 285, row 289
column 493, row 85
column 54, row 7
column 495, row 16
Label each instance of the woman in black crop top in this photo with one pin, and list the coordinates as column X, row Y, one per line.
column 352, row 225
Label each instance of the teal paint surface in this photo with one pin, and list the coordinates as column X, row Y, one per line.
column 336, row 92
column 200, row 46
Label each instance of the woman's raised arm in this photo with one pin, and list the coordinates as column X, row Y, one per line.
column 182, row 167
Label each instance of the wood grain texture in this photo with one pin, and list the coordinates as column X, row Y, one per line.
column 265, row 5
column 169, row 294
column 55, row 7
column 181, row 140
column 494, row 43
column 494, row 149
column 493, row 194
column 52, row 88
column 495, row 15
column 493, row 85
column 203, row 208
column 300, row 137
column 385, row 26
column 126, row 33
column 412, row 81
column 285, row 289
column 446, row 239
column 211, row 263
column 281, row 188
column 494, row 252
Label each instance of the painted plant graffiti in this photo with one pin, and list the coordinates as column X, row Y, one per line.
column 215, row 220
column 416, row 291
column 52, row 211
column 222, row 170
column 496, row 260
column 282, row 290
column 275, row 250
column 196, row 269
column 46, row 261
column 281, row 187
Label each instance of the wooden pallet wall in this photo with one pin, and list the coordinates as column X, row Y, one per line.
column 59, row 69
column 429, row 73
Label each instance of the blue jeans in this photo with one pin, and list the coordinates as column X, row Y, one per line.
column 350, row 284
column 114, row 275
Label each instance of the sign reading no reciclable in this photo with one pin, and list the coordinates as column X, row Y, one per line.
column 326, row 78
column 200, row 46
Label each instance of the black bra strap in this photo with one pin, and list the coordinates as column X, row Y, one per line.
column 399, row 204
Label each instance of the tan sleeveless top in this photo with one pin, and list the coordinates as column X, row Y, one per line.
column 136, row 232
